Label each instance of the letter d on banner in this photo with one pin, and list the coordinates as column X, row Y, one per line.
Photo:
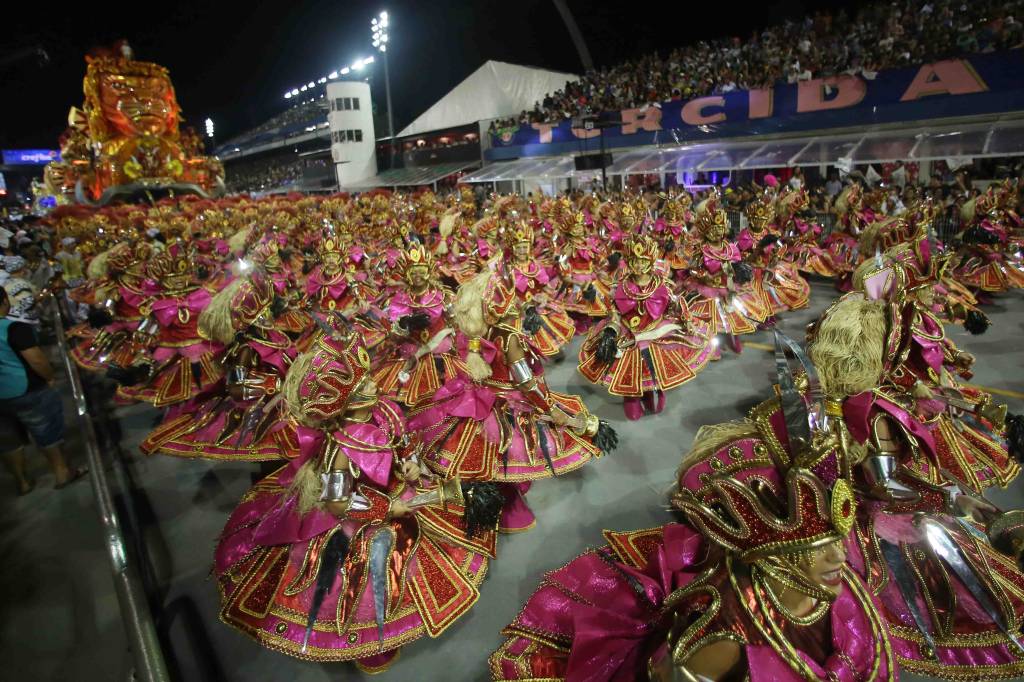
column 848, row 92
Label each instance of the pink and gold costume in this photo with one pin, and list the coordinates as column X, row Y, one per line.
column 653, row 342
column 406, row 566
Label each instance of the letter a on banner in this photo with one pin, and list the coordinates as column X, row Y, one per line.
column 950, row 77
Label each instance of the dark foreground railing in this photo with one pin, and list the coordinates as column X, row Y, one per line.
column 135, row 614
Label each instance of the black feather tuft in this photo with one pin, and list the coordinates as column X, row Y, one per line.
column 414, row 322
column 1015, row 436
column 607, row 345
column 765, row 242
column 976, row 322
column 606, row 437
column 613, row 260
column 331, row 558
column 98, row 317
column 590, row 294
column 484, row 502
column 279, row 306
column 742, row 272
column 202, row 272
column 531, row 320
column 979, row 235
column 670, row 246
column 127, row 376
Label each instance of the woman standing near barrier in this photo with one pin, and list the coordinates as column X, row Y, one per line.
column 28, row 404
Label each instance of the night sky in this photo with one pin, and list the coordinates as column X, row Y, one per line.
column 233, row 62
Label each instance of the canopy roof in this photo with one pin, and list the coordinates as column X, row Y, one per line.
column 977, row 140
column 411, row 176
column 495, row 90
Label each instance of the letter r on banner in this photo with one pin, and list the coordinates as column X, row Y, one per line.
column 950, row 77
column 848, row 92
column 637, row 119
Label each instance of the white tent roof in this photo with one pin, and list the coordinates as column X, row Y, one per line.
column 495, row 90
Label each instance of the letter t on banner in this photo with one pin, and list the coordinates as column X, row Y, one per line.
column 545, row 131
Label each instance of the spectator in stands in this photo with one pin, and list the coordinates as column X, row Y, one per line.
column 29, row 406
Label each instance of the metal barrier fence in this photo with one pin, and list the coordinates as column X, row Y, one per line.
column 135, row 614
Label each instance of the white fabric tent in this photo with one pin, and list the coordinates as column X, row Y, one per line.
column 495, row 90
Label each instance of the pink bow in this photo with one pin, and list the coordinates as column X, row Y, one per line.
column 466, row 399
column 166, row 309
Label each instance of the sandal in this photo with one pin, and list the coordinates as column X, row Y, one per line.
column 76, row 473
column 30, row 486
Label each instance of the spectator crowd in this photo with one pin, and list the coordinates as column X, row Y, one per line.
column 878, row 36
column 265, row 175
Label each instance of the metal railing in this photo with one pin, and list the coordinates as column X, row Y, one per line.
column 135, row 614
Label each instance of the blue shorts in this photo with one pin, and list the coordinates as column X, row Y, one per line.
column 39, row 413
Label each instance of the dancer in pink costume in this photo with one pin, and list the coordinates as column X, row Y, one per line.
column 500, row 422
column 650, row 343
column 352, row 550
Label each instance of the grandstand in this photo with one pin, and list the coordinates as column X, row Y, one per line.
column 290, row 151
column 712, row 106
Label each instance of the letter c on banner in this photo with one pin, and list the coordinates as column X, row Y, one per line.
column 545, row 131
column 693, row 111
column 636, row 119
column 810, row 95
column 950, row 77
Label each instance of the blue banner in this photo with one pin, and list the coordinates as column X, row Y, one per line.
column 974, row 85
column 30, row 157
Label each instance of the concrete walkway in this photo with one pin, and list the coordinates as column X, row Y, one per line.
column 59, row 618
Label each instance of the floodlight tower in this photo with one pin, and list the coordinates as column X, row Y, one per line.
column 379, row 27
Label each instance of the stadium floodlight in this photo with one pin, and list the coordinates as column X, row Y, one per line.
column 310, row 84
column 295, row 92
column 357, row 65
column 303, row 88
column 322, row 80
column 332, row 75
column 368, row 60
column 209, row 127
column 378, row 27
column 288, row 95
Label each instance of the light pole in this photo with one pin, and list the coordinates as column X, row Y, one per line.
column 379, row 27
